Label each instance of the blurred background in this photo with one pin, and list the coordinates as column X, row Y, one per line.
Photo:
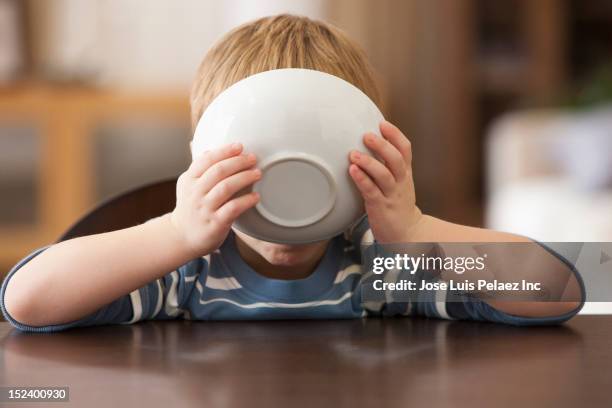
column 506, row 103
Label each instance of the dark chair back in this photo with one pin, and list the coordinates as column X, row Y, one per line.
column 126, row 210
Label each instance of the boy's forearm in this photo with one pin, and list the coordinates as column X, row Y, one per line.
column 74, row 278
column 430, row 229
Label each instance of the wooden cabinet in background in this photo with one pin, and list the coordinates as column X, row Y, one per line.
column 449, row 69
column 62, row 150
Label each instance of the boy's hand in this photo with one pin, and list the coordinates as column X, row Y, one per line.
column 205, row 202
column 386, row 184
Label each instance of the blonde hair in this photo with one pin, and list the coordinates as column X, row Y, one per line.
column 282, row 41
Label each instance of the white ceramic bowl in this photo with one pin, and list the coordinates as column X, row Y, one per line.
column 301, row 124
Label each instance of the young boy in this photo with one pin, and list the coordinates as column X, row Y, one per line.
column 191, row 264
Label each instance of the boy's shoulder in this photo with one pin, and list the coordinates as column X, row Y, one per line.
column 360, row 233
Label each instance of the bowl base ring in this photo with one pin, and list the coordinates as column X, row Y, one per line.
column 305, row 185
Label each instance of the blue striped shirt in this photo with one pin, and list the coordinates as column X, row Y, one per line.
column 221, row 286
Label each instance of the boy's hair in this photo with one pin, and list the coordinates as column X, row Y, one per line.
column 282, row 41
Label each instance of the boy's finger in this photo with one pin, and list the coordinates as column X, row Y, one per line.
column 231, row 210
column 388, row 153
column 377, row 171
column 397, row 139
column 223, row 169
column 368, row 189
column 208, row 158
column 222, row 192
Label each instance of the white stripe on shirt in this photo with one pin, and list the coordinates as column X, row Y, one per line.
column 222, row 283
column 441, row 304
column 160, row 298
column 136, row 306
column 368, row 237
column 171, row 305
column 281, row 305
column 349, row 270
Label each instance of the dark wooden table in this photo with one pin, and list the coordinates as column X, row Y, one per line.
column 393, row 362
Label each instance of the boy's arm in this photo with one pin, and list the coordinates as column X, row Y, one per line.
column 74, row 278
column 552, row 271
column 386, row 184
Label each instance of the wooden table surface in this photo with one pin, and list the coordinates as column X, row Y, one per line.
column 378, row 362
